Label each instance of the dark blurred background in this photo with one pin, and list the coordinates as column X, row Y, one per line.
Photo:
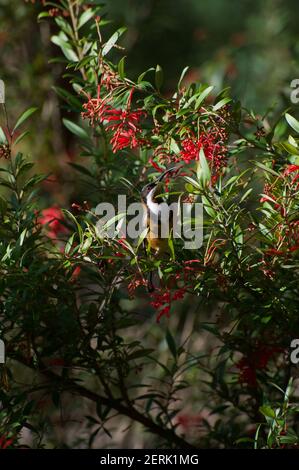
column 250, row 45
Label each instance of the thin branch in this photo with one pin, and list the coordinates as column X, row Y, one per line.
column 111, row 402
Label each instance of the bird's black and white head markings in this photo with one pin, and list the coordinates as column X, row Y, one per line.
column 148, row 191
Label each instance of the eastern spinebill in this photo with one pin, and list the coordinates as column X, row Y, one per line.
column 158, row 218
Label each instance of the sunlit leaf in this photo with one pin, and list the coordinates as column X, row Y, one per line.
column 112, row 41
column 75, row 129
column 24, row 117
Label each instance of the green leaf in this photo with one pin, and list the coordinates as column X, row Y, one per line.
column 81, row 169
column 140, row 353
column 171, row 344
column 23, row 117
column 20, row 137
column 239, row 238
column 183, row 74
column 159, row 77
column 22, row 237
column 221, row 103
column 69, row 244
column 288, row 148
column 203, row 170
column 174, row 146
column 73, row 218
column 203, row 95
column 3, row 139
column 33, row 181
column 64, row 25
column 114, row 219
column 171, row 247
column 289, row 439
column 266, row 168
column 83, row 63
column 3, row 206
column 112, row 41
column 245, row 195
column 86, row 245
column 43, row 14
column 142, row 237
column 292, row 141
column 207, row 207
column 68, row 97
column 267, row 411
column 141, row 76
column 65, row 47
column 192, row 182
column 85, row 17
column 75, row 129
column 292, row 122
column 121, row 67
column 244, row 439
column 256, row 437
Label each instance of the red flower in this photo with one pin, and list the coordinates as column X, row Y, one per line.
column 96, row 108
column 273, row 251
column 188, row 421
column 213, row 145
column 4, row 442
column 53, row 218
column 258, row 360
column 190, row 150
column 136, row 282
column 75, row 273
column 162, row 301
column 267, row 198
column 290, row 169
column 287, row 232
column 247, row 373
column 126, row 128
column 125, row 124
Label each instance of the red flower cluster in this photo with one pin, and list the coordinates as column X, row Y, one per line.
column 136, row 282
column 5, row 442
column 126, row 128
column 125, row 124
column 53, row 218
column 96, row 108
column 292, row 169
column 162, row 300
column 258, row 360
column 213, row 145
column 188, row 421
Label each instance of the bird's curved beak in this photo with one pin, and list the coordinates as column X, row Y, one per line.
column 171, row 171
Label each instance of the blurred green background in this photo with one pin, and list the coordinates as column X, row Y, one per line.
column 250, row 45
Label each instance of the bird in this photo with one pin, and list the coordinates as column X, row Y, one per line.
column 157, row 220
column 158, row 217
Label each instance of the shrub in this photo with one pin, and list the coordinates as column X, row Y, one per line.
column 78, row 316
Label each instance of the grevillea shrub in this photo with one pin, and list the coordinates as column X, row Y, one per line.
column 203, row 358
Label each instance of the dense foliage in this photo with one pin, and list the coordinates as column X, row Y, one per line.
column 77, row 316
